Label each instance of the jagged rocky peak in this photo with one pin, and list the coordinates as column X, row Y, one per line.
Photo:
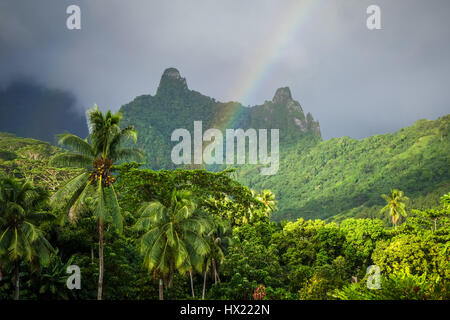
column 171, row 80
column 172, row 72
column 282, row 95
column 306, row 123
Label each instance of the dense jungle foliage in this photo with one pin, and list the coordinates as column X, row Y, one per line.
column 137, row 233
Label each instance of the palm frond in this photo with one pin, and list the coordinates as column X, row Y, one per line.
column 125, row 135
column 113, row 208
column 71, row 160
column 77, row 206
column 66, row 196
column 75, row 144
column 131, row 154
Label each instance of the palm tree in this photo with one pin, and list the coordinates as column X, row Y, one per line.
column 173, row 238
column 268, row 198
column 396, row 206
column 21, row 240
column 219, row 239
column 193, row 263
column 96, row 155
column 265, row 204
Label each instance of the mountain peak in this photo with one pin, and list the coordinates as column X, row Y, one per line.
column 171, row 80
column 282, row 95
column 172, row 72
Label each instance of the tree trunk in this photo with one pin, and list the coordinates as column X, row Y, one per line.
column 161, row 288
column 213, row 262
column 16, row 280
column 192, row 284
column 435, row 224
column 92, row 253
column 204, row 286
column 100, row 256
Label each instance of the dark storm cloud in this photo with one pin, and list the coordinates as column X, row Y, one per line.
column 356, row 82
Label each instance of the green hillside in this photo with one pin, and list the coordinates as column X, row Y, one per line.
column 344, row 177
column 29, row 158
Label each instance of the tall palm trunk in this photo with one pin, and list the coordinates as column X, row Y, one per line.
column 100, row 256
column 16, row 280
column 214, row 266
column 161, row 288
column 192, row 284
column 204, row 286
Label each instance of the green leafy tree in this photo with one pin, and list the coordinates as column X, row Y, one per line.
column 251, row 260
column 174, row 236
column 21, row 240
column 400, row 285
column 395, row 205
column 361, row 236
column 419, row 253
column 445, row 201
column 96, row 155
column 50, row 283
column 433, row 214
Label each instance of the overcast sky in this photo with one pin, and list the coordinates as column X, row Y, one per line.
column 356, row 82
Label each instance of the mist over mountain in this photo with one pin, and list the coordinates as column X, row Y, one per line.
column 29, row 109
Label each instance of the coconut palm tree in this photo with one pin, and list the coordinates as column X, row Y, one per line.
column 396, row 205
column 219, row 239
column 174, row 236
column 21, row 240
column 96, row 156
column 263, row 206
column 267, row 197
column 193, row 264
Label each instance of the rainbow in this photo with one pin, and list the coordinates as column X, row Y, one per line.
column 258, row 67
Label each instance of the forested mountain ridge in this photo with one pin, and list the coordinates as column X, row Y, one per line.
column 176, row 106
column 317, row 179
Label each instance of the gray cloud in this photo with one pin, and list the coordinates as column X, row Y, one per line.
column 356, row 82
